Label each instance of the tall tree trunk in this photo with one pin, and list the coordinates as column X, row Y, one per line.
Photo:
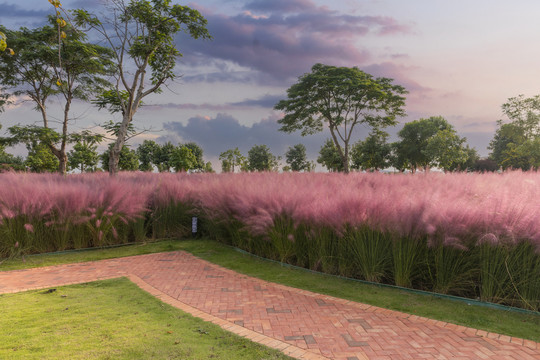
column 114, row 157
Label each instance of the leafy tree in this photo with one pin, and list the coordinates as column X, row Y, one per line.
column 397, row 158
column 4, row 99
column 513, row 139
column 230, row 159
column 128, row 159
column 147, row 152
column 415, row 137
column 208, row 168
column 10, row 162
column 525, row 114
column 163, row 157
column 525, row 156
column 40, row 159
column 445, row 150
column 39, row 70
column 182, row 159
column 141, row 31
column 373, row 153
column 329, row 157
column 197, row 151
column 297, row 159
column 83, row 157
column 261, row 159
column 471, row 160
column 341, row 98
column 506, row 135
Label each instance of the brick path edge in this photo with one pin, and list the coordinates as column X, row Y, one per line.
column 287, row 349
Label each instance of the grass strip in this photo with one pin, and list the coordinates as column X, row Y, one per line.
column 112, row 319
column 493, row 320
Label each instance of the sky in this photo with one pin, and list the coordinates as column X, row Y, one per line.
column 458, row 59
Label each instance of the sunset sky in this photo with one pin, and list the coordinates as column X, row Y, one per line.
column 458, row 59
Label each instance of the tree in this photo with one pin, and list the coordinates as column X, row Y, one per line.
column 373, row 153
column 8, row 161
column 163, row 157
column 513, row 139
column 230, row 159
column 83, row 157
column 197, row 151
column 4, row 99
column 208, row 168
column 128, row 159
column 182, row 159
column 261, row 159
column 141, row 31
column 445, row 150
column 147, row 152
column 39, row 70
column 524, row 113
column 40, row 159
column 329, row 157
column 415, row 136
column 297, row 159
column 341, row 98
column 506, row 136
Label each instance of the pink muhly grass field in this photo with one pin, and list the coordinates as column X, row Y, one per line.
column 474, row 235
column 498, row 208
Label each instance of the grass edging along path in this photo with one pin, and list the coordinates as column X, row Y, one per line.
column 493, row 320
column 112, row 319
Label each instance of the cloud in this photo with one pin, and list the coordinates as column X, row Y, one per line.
column 9, row 10
column 285, row 38
column 266, row 101
column 224, row 132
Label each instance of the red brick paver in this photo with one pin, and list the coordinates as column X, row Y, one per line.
column 299, row 323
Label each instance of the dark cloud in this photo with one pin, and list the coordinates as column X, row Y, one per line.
column 14, row 16
column 266, row 101
column 223, row 132
column 9, row 10
column 285, row 38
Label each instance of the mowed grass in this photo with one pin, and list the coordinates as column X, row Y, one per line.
column 493, row 320
column 111, row 319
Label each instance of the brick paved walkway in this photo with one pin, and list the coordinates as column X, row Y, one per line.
column 301, row 324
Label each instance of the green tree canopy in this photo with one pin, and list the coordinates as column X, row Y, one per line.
column 163, row 156
column 128, row 159
column 329, row 157
column 340, row 98
column 373, row 153
column 230, row 159
column 141, row 36
column 297, row 159
column 39, row 70
column 182, row 159
column 514, row 143
column 415, row 136
column 147, row 152
column 261, row 159
column 40, row 159
column 446, row 150
column 83, row 157
column 197, row 151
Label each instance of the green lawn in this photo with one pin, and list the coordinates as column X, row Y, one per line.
column 112, row 319
column 493, row 320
